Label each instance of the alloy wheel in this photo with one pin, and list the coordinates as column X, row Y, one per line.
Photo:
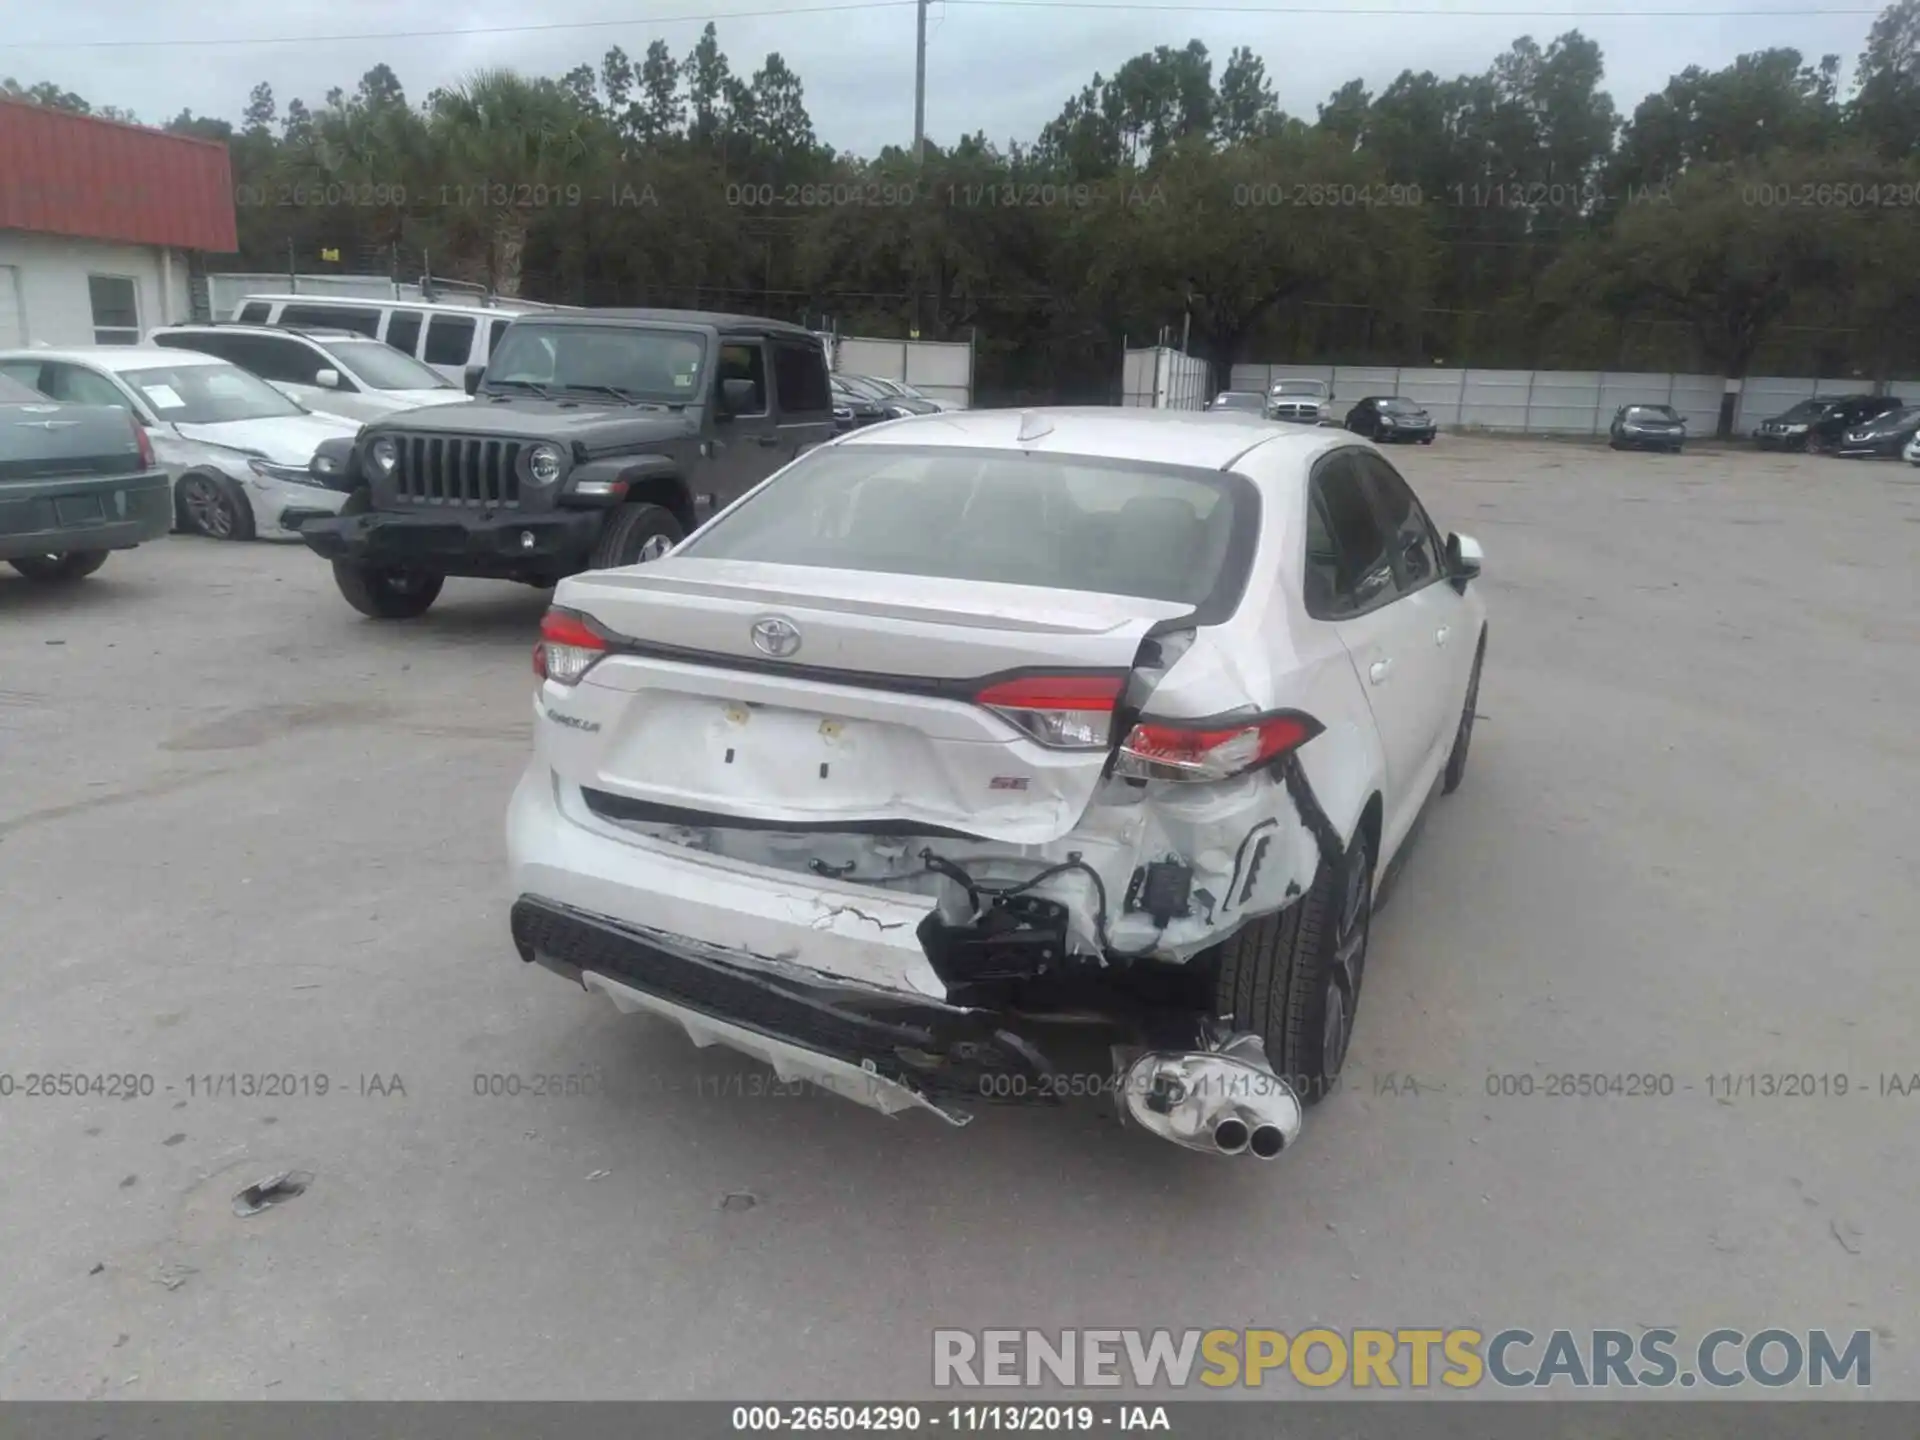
column 208, row 508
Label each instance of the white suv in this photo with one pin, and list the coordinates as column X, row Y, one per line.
column 334, row 372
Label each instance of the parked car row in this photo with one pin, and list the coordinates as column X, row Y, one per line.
column 1852, row 426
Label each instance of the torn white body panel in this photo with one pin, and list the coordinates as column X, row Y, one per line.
column 753, row 912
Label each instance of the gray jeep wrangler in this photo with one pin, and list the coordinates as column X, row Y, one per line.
column 593, row 439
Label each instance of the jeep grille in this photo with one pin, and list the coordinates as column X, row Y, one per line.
column 455, row 470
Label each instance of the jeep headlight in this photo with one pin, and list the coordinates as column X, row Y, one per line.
column 544, row 463
column 384, row 453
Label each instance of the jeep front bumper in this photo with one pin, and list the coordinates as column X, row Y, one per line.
column 494, row 543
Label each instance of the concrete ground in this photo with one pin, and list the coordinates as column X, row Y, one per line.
column 245, row 832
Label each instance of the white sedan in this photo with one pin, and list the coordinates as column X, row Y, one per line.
column 238, row 451
column 964, row 725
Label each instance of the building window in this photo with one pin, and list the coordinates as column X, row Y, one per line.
column 116, row 310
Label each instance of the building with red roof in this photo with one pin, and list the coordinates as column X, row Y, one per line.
column 101, row 225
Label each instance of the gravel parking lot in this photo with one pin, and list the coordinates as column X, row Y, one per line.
column 244, row 832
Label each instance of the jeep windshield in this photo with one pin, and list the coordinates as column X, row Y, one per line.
column 662, row 366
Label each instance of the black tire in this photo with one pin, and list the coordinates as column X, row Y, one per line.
column 213, row 506
column 1463, row 737
column 1614, row 443
column 631, row 532
column 387, row 594
column 1294, row 978
column 1426, row 439
column 60, row 569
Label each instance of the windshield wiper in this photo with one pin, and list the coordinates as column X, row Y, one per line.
column 539, row 390
column 614, row 390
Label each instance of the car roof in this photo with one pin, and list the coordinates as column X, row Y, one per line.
column 227, row 327
column 117, row 357
column 718, row 320
column 1199, row 439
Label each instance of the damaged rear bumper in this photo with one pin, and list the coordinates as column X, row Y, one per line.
column 882, row 1049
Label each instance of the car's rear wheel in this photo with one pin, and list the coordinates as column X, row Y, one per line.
column 634, row 535
column 59, row 569
column 214, row 506
column 387, row 594
column 1294, row 978
column 1463, row 736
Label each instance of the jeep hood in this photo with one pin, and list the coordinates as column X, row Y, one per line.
column 597, row 424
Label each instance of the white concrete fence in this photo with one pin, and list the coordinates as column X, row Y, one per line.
column 1560, row 402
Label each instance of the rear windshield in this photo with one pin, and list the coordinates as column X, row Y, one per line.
column 1110, row 527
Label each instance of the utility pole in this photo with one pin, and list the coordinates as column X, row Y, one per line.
column 920, row 86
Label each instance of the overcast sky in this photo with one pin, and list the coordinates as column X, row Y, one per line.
column 1003, row 68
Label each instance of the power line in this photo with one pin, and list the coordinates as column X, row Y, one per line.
column 1393, row 11
column 173, row 42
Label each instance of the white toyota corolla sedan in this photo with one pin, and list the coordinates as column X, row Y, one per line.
column 966, row 728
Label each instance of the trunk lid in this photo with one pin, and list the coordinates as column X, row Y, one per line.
column 868, row 722
column 49, row 439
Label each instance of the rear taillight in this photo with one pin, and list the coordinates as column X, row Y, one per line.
column 568, row 647
column 1064, row 712
column 146, row 446
column 1159, row 750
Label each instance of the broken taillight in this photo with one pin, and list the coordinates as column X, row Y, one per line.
column 1063, row 712
column 1160, row 750
column 568, row 647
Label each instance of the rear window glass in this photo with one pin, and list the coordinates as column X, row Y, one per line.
column 12, row 392
column 1106, row 526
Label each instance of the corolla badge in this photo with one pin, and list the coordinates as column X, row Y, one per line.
column 775, row 636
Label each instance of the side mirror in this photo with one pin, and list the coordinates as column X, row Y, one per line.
column 1463, row 560
column 736, row 397
column 327, row 379
column 473, row 374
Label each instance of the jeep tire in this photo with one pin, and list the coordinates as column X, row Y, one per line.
column 635, row 534
column 383, row 593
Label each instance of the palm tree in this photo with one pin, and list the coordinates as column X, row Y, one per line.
column 507, row 148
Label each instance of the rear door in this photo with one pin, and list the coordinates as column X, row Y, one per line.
column 802, row 397
column 1438, row 651
column 1352, row 582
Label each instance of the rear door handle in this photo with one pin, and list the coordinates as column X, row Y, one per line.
column 767, row 440
column 1440, row 635
column 1377, row 671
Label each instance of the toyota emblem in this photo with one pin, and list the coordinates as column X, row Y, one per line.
column 776, row 637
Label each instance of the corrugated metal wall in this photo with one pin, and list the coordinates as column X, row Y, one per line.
column 75, row 175
column 1163, row 379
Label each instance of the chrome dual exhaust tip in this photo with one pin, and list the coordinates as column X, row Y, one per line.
column 1224, row 1099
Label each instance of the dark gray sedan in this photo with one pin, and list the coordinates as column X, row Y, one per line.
column 76, row 481
column 1648, row 427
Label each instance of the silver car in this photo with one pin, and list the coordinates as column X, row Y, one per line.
column 238, row 451
column 962, row 725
